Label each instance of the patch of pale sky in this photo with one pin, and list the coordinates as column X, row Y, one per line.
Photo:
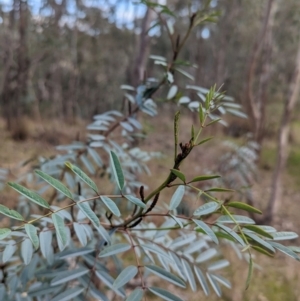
column 126, row 11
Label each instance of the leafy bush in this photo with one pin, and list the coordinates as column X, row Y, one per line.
column 94, row 234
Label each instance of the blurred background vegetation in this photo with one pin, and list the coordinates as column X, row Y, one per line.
column 63, row 61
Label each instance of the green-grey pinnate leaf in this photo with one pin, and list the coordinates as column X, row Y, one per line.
column 89, row 213
column 4, row 232
column 117, row 170
column 204, row 178
column 162, row 273
column 11, row 213
column 83, row 176
column 114, row 249
column 164, row 294
column 125, row 276
column 177, row 197
column 81, row 234
column 207, row 208
column 207, row 230
column 31, row 195
column 178, row 174
column 55, row 183
column 69, row 294
column 32, row 234
column 66, row 276
column 111, row 205
column 135, row 201
column 26, row 251
column 60, row 228
column 9, row 251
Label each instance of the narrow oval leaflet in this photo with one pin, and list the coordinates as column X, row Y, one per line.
column 218, row 265
column 97, row 159
column 164, row 294
column 202, row 280
column 83, row 176
column 4, row 232
column 201, row 112
column 9, row 251
column 184, row 99
column 125, row 276
column 261, row 242
column 68, row 294
column 294, row 249
column 136, row 295
column 155, row 249
column 207, row 208
column 31, row 195
column 55, row 183
column 189, row 274
column 285, row 250
column 204, row 140
column 217, row 189
column 135, row 201
column 177, row 220
column 108, row 281
column 66, row 276
column 105, row 235
column 178, row 174
column 111, row 205
column 259, row 230
column 165, row 275
column 204, row 178
column 284, row 235
column 127, row 126
column 263, row 251
column 243, row 206
column 207, row 230
column 117, row 170
column 222, row 280
column 11, row 213
column 232, row 233
column 186, row 74
column 250, row 272
column 86, row 162
column 214, row 285
column 89, row 213
column 60, row 228
column 268, row 229
column 32, row 234
column 43, row 290
column 70, row 253
column 177, row 197
column 234, row 219
column 114, row 249
column 206, row 255
column 81, row 234
column 45, row 242
column 172, row 92
column 26, row 251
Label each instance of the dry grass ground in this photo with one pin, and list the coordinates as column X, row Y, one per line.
column 279, row 277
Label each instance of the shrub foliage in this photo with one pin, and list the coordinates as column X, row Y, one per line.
column 76, row 236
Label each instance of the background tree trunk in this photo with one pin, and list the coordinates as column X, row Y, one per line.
column 282, row 152
column 143, row 48
column 257, row 93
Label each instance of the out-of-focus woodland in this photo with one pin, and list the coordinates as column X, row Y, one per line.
column 64, row 61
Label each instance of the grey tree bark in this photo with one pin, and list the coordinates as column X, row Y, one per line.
column 282, row 152
column 143, row 48
column 256, row 93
